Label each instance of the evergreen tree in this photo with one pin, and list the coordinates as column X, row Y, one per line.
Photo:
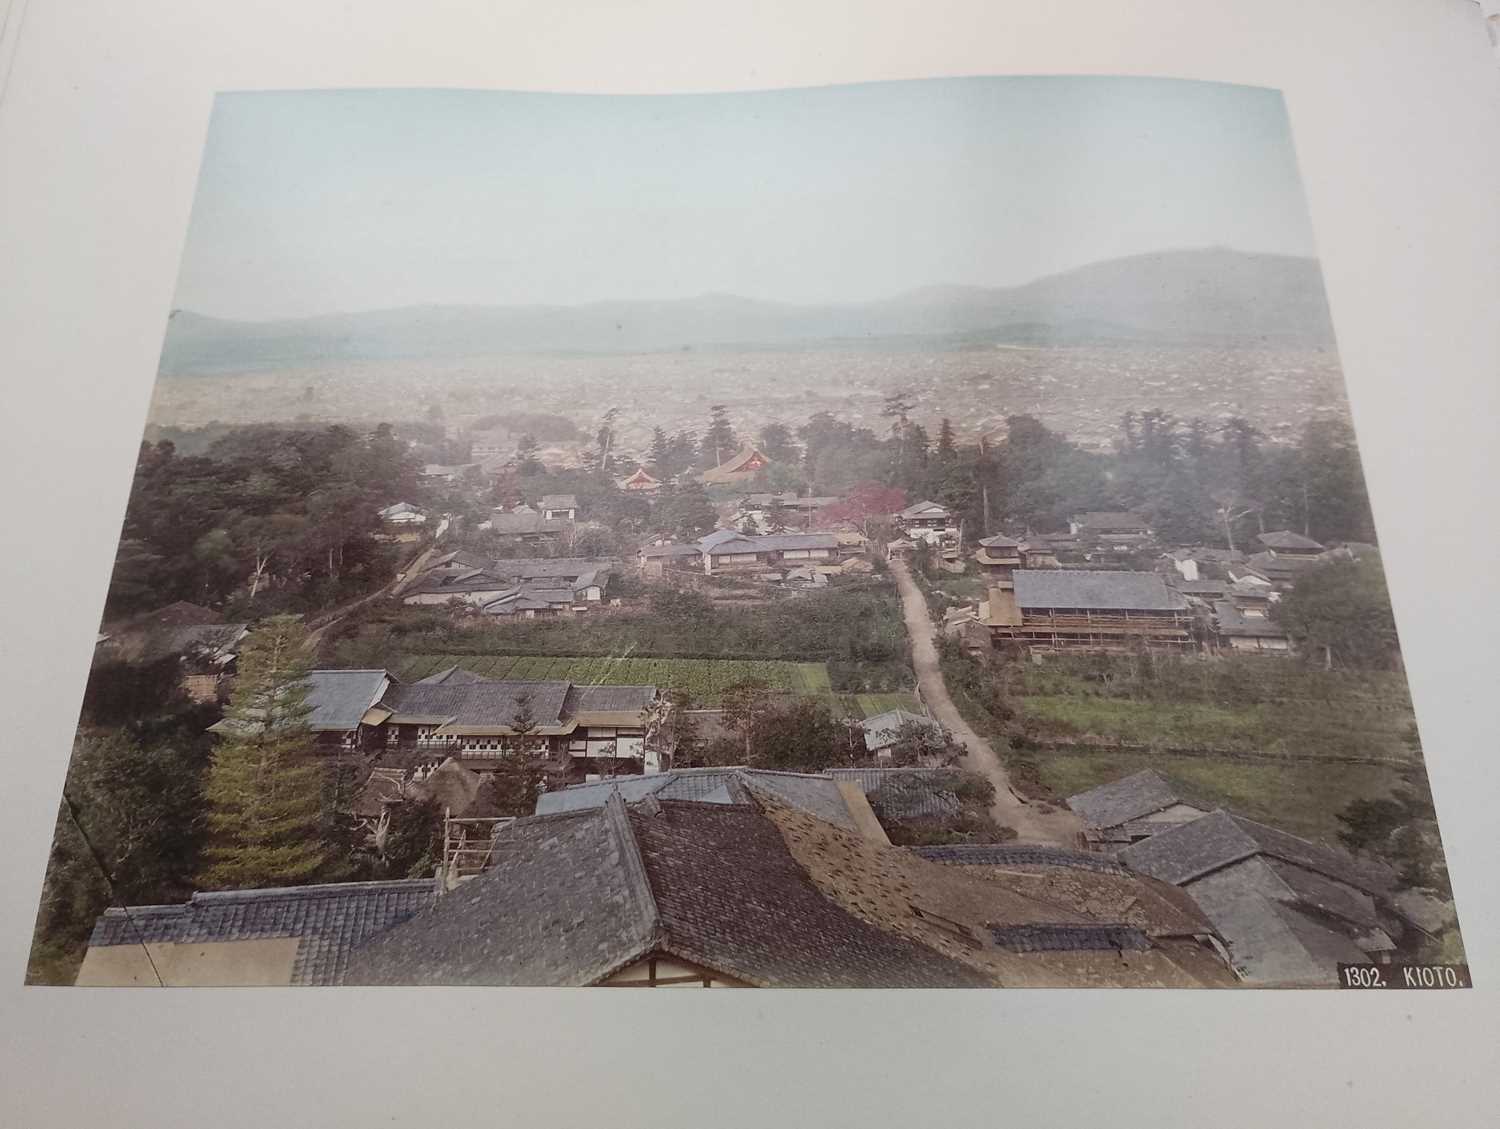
column 661, row 453
column 527, row 462
column 946, row 449
column 777, row 443
column 519, row 776
column 719, row 442
column 687, row 512
column 264, row 787
column 1340, row 614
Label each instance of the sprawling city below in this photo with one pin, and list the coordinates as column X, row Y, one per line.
column 978, row 637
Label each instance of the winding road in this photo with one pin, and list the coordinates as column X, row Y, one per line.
column 1055, row 828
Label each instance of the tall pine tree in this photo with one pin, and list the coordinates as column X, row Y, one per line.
column 264, row 786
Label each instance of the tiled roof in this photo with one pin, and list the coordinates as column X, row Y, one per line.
column 883, row 730
column 1111, row 521
column 817, row 795
column 1098, row 590
column 572, row 898
column 1231, row 621
column 1285, row 539
column 329, row 920
column 772, row 543
column 1269, row 938
column 732, row 897
column 951, row 908
column 1130, row 797
column 492, row 704
column 610, row 699
column 905, row 793
column 564, row 903
column 650, row 552
column 1000, row 541
column 339, row 698
column 1191, row 850
column 1069, row 938
column 512, row 524
column 558, row 502
column 736, row 467
column 924, row 509
column 536, row 568
column 1004, row 854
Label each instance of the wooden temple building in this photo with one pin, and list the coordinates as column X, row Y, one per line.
column 1070, row 609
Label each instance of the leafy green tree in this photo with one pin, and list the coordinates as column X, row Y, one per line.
column 1340, row 614
column 127, row 834
column 265, row 789
column 742, row 705
column 412, row 845
column 777, row 442
column 923, row 744
column 801, row 735
column 1402, row 830
column 687, row 513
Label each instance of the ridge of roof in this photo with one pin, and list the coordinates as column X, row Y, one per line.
column 634, row 868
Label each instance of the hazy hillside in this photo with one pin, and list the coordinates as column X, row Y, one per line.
column 1197, row 295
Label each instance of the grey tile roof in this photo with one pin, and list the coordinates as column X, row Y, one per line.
column 1099, row 590
column 558, row 502
column 536, row 568
column 1003, row 854
column 920, row 509
column 1000, row 541
column 816, row 795
column 1231, row 621
column 610, row 699
column 137, row 925
column 329, row 920
column 1069, row 938
column 1326, row 894
column 481, row 703
column 1191, row 850
column 1270, row 941
column 905, row 793
column 707, row 785
column 1130, row 797
column 563, row 903
column 773, row 543
column 339, row 698
column 572, row 898
column 1285, row 539
column 651, row 552
column 588, row 797
column 883, row 730
column 513, row 524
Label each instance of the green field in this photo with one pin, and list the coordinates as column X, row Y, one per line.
column 868, row 705
column 704, row 679
column 1274, row 727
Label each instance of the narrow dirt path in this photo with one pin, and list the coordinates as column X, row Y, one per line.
column 1058, row 828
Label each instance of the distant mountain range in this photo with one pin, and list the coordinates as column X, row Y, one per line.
column 1207, row 295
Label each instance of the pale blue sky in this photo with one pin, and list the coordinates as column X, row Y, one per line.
column 315, row 202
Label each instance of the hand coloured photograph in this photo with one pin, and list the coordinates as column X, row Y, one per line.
column 909, row 534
